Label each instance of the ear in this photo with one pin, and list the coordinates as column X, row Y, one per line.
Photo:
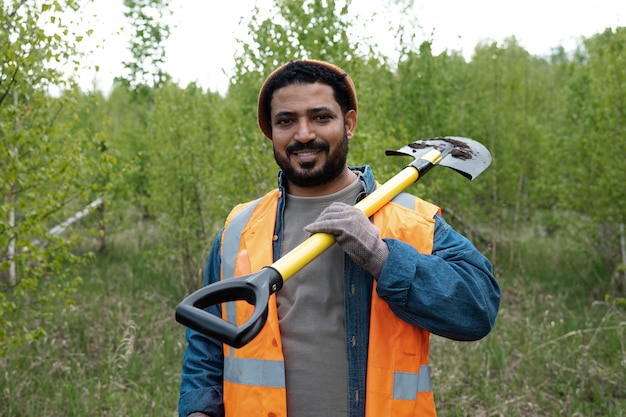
column 350, row 121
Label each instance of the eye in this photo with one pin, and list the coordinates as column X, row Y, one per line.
column 284, row 121
column 322, row 117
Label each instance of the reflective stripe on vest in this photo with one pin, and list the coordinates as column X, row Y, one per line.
column 407, row 385
column 405, row 200
column 257, row 372
column 230, row 245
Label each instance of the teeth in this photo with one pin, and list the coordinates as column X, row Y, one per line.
column 306, row 153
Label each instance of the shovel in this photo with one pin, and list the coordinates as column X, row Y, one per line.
column 465, row 156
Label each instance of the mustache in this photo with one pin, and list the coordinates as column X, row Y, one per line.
column 312, row 145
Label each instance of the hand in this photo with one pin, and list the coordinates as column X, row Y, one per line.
column 358, row 237
column 198, row 414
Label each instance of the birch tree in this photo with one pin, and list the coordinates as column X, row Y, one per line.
column 48, row 169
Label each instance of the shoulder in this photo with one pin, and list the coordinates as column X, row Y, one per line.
column 245, row 210
column 415, row 204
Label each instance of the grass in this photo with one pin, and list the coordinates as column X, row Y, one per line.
column 116, row 352
column 537, row 362
column 558, row 349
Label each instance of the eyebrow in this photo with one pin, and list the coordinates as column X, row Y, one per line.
column 314, row 110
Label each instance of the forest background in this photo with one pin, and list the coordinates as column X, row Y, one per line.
column 109, row 203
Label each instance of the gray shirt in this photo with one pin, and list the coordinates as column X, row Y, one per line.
column 311, row 315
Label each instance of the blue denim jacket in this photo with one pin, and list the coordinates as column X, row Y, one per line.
column 451, row 293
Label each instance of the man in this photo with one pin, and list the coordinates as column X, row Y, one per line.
column 348, row 334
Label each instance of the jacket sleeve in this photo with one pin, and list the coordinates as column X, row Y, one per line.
column 203, row 361
column 451, row 292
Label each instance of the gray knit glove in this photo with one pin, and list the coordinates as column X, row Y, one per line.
column 358, row 237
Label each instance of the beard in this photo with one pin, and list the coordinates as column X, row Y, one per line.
column 306, row 175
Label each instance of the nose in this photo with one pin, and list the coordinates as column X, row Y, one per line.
column 304, row 133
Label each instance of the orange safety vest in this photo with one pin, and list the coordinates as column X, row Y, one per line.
column 398, row 376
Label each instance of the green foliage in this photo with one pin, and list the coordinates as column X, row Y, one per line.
column 311, row 29
column 147, row 45
column 49, row 169
column 116, row 350
column 172, row 161
column 183, row 124
column 619, row 301
column 553, row 351
column 594, row 144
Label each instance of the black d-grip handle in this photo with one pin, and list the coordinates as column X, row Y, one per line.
column 254, row 288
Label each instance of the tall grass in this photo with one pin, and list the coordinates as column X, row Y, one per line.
column 558, row 348
column 116, row 352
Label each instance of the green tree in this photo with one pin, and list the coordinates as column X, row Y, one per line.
column 594, row 146
column 48, row 169
column 143, row 74
column 310, row 29
column 186, row 171
column 147, row 45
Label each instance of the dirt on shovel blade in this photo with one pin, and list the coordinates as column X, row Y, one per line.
column 461, row 149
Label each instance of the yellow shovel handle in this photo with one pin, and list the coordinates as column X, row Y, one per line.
column 317, row 243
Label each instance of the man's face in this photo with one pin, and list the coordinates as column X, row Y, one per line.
column 310, row 136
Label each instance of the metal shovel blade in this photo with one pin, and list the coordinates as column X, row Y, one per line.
column 466, row 156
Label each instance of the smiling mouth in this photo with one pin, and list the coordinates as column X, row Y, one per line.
column 306, row 156
column 306, row 153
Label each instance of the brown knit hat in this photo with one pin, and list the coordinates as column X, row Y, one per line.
column 263, row 116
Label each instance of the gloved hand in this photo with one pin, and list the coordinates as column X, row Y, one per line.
column 358, row 237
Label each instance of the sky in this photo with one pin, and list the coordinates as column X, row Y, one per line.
column 203, row 40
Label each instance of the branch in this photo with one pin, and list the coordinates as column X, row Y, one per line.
column 57, row 230
column 8, row 89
